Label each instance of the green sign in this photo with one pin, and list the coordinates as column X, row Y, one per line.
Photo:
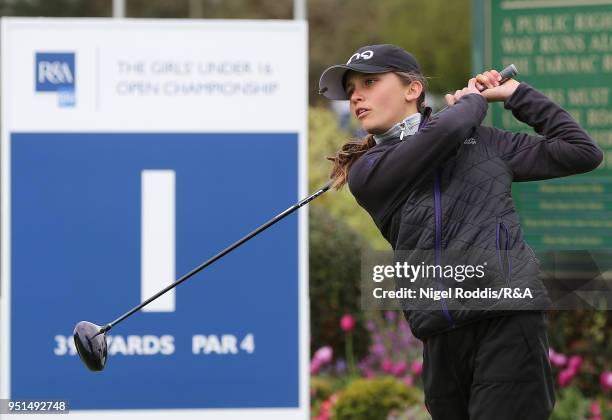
column 564, row 49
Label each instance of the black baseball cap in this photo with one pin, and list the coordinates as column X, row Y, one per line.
column 379, row 58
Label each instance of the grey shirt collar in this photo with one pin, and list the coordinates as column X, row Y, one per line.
column 408, row 127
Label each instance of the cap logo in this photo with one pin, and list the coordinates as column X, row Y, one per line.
column 366, row 55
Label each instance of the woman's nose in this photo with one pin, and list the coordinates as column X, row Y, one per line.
column 356, row 96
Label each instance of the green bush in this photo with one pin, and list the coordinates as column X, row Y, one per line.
column 570, row 405
column 321, row 388
column 586, row 333
column 372, row 399
column 335, row 272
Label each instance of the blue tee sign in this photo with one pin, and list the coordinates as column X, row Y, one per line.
column 76, row 249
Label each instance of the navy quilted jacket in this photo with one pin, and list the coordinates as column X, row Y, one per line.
column 448, row 188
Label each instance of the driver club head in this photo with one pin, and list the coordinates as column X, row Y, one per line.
column 91, row 345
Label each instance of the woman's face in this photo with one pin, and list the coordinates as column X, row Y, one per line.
column 384, row 98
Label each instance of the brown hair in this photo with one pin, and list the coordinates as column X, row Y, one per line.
column 350, row 151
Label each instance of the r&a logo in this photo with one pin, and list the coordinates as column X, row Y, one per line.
column 55, row 72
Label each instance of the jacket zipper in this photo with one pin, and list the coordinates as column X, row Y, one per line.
column 507, row 258
column 438, row 211
column 403, row 127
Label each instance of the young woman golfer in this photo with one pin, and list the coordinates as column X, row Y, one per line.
column 443, row 182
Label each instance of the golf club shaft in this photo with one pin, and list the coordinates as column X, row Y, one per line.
column 205, row 264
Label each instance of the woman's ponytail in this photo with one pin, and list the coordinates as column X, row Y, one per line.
column 346, row 156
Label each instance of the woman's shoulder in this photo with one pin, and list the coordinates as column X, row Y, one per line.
column 491, row 135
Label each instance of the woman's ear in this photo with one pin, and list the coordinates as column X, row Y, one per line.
column 413, row 91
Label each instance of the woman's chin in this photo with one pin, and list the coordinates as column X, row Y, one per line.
column 370, row 127
column 373, row 129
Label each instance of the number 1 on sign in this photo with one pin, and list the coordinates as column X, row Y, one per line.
column 158, row 238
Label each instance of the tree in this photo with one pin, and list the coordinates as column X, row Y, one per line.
column 437, row 32
column 324, row 139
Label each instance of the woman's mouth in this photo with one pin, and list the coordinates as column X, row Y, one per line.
column 362, row 113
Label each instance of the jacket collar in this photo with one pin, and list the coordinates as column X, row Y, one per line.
column 409, row 126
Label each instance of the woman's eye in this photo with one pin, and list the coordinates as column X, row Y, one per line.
column 366, row 82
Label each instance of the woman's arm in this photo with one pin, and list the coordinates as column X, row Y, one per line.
column 381, row 178
column 563, row 147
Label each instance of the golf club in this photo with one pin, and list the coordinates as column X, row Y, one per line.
column 507, row 73
column 90, row 339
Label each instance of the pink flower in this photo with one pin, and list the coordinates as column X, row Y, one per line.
column 325, row 411
column 605, row 379
column 387, row 366
column 364, row 363
column 378, row 349
column 369, row 373
column 417, row 367
column 565, row 376
column 390, row 315
column 557, row 359
column 326, row 405
column 408, row 381
column 314, row 367
column 595, row 410
column 400, row 369
column 347, row 323
column 575, row 362
column 323, row 355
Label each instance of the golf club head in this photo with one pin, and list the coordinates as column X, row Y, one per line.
column 91, row 345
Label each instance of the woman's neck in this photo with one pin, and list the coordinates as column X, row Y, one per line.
column 407, row 127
